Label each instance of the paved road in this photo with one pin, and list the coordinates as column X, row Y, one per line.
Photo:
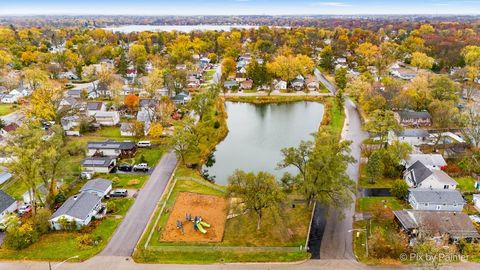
column 337, row 241
column 324, row 81
column 128, row 233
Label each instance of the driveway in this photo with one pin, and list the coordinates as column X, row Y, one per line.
column 337, row 241
column 128, row 233
column 324, row 81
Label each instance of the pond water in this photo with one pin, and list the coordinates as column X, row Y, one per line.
column 180, row 28
column 257, row 133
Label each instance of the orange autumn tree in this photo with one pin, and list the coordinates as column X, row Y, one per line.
column 132, row 101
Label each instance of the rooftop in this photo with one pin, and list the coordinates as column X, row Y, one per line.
column 78, row 206
column 437, row 196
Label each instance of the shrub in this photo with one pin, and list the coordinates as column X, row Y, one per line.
column 19, row 236
column 76, row 149
column 399, row 189
column 87, row 240
column 111, row 207
column 41, row 221
column 142, row 159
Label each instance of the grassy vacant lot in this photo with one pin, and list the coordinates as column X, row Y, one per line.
column 7, row 109
column 57, row 246
column 382, row 183
column 465, row 184
column 241, row 242
column 368, row 204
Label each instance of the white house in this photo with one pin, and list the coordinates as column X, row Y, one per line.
column 414, row 137
column 436, row 200
column 97, row 186
column 7, row 205
column 95, row 107
column 79, row 209
column 431, row 161
column 110, row 118
column 70, row 125
column 419, row 176
column 111, row 148
column 126, row 130
column 9, row 99
column 99, row 164
column 280, row 85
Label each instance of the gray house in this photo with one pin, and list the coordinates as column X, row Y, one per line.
column 79, row 208
column 97, row 186
column 436, row 200
column 99, row 164
column 111, row 148
column 419, row 176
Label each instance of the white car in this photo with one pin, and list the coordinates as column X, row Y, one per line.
column 141, row 167
column 144, row 144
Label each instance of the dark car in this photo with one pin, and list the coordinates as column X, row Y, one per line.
column 125, row 168
column 119, row 193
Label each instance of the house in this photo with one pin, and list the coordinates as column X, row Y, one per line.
column 414, row 137
column 246, row 85
column 79, row 209
column 5, row 176
column 110, row 118
column 6, row 130
column 181, row 98
column 231, row 84
column 97, row 186
column 312, row 83
column 68, row 75
column 41, row 192
column 7, row 205
column 74, row 93
column 69, row 102
column 280, row 85
column 436, row 225
column 409, row 118
column 476, row 201
column 9, row 99
column 111, row 148
column 431, row 161
column 436, row 199
column 99, row 164
column 70, row 125
column 181, row 67
column 298, row 83
column 126, row 130
column 419, row 176
column 95, row 107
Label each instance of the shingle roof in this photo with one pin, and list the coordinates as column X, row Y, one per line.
column 437, row 196
column 98, row 184
column 427, row 159
column 406, row 114
column 111, row 144
column 456, row 224
column 79, row 206
column 412, row 133
column 97, row 161
column 5, row 201
column 419, row 172
column 94, row 106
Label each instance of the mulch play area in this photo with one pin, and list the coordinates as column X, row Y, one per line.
column 211, row 209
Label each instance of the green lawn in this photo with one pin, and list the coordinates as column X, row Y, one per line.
column 367, row 204
column 322, row 88
column 209, row 74
column 337, row 118
column 134, row 181
column 465, row 184
column 381, row 183
column 7, row 109
column 57, row 246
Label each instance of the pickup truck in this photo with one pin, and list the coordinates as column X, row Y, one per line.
column 142, row 167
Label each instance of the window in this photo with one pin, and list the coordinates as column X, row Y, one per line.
column 439, row 207
column 426, row 204
column 446, row 187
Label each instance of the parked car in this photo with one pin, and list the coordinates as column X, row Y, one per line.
column 144, row 144
column 125, row 167
column 119, row 193
column 86, row 175
column 25, row 209
column 142, row 167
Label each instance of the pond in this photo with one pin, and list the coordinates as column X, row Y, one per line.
column 257, row 133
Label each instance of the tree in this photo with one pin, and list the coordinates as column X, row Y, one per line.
column 443, row 88
column 5, row 58
column 256, row 192
column 321, row 169
column 374, row 168
column 399, row 189
column 138, row 54
column 258, row 73
column 181, row 49
column 326, row 58
column 341, row 78
column 35, row 77
column 228, row 66
column 358, row 87
column 19, row 236
column 156, row 130
column 45, row 103
column 289, row 67
column 132, row 102
column 184, row 139
column 367, row 53
column 122, row 65
column 155, row 81
column 421, row 60
column 470, row 125
column 471, row 55
column 444, row 116
column 381, row 122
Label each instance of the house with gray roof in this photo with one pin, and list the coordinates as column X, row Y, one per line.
column 431, row 161
column 97, row 186
column 79, row 209
column 4, row 176
column 111, row 148
column 408, row 118
column 414, row 137
column 436, row 225
column 95, row 107
column 7, row 205
column 419, row 176
column 99, row 164
column 436, row 199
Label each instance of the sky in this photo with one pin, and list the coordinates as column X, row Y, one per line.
column 237, row 7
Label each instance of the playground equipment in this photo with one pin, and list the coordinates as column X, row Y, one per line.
column 198, row 223
column 180, row 226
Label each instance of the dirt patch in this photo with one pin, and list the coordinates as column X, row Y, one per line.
column 212, row 209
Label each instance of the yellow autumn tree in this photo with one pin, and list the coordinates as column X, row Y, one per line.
column 156, row 130
column 45, row 102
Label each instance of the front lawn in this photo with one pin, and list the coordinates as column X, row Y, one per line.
column 367, row 204
column 7, row 109
column 133, row 181
column 466, row 184
column 57, row 246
